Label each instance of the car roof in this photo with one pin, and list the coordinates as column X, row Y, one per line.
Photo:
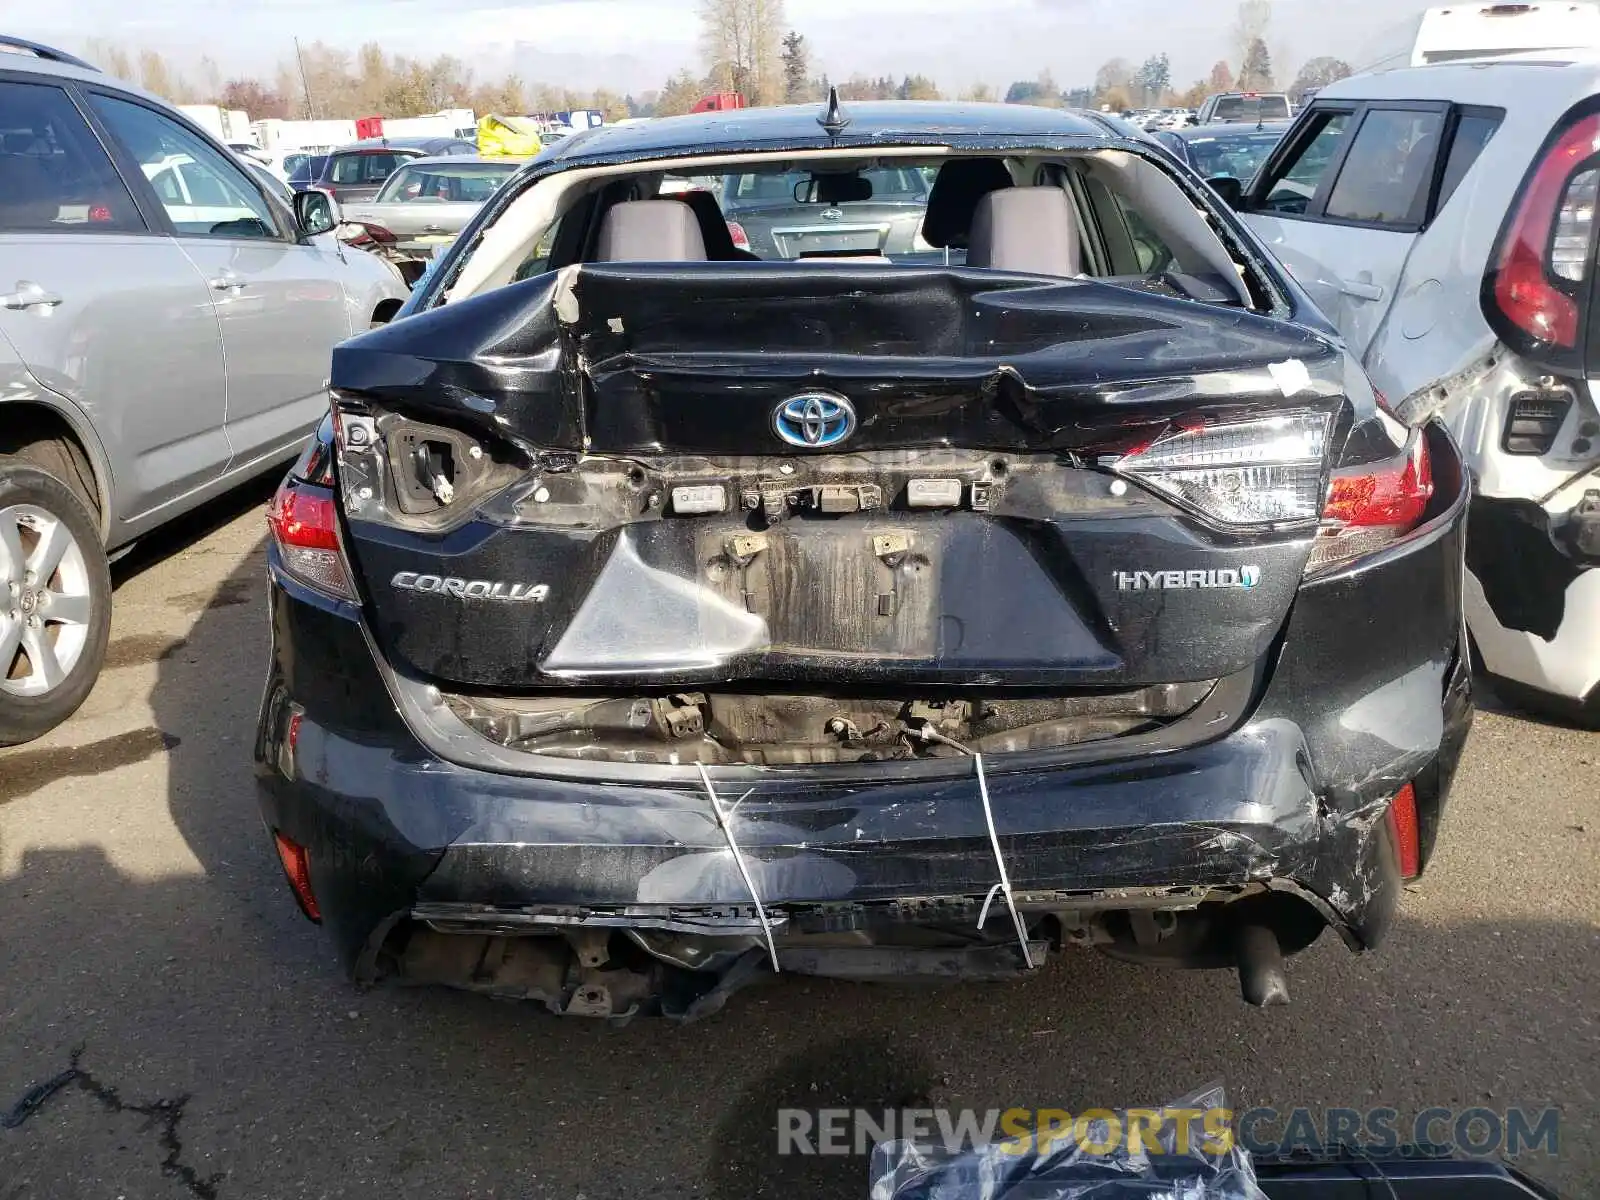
column 456, row 160
column 379, row 144
column 1557, row 77
column 796, row 127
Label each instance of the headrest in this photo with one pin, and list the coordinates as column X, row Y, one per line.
column 1029, row 229
column 650, row 231
column 960, row 184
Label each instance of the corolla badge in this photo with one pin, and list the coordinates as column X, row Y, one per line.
column 814, row 420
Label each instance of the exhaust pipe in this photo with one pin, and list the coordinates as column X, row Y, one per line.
column 1262, row 977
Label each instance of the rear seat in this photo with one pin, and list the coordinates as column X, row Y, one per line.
column 650, row 231
column 1030, row 229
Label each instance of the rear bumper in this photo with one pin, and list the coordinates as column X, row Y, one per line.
column 1366, row 691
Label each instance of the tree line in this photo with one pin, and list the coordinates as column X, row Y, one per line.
column 747, row 47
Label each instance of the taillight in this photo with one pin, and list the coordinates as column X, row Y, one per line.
column 1373, row 505
column 1264, row 471
column 1545, row 251
column 303, row 524
column 741, row 240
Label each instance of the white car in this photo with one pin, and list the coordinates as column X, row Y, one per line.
column 1443, row 219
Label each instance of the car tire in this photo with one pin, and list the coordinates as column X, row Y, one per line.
column 53, row 631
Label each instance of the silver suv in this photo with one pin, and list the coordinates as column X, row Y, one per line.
column 166, row 327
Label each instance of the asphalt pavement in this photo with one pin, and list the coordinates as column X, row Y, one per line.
column 147, row 938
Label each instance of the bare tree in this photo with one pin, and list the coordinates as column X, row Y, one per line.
column 156, row 75
column 980, row 93
column 1250, row 25
column 741, row 43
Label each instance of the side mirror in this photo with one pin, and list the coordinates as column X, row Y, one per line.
column 1229, row 188
column 316, row 211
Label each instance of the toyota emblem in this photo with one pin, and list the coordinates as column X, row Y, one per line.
column 814, row 420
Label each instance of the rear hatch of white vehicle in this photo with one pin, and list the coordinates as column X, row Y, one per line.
column 653, row 482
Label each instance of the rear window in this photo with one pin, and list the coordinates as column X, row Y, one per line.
column 361, row 168
column 467, row 183
column 1238, row 156
column 904, row 185
column 1251, row 108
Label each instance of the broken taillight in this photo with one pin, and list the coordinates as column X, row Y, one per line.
column 1371, row 506
column 1263, row 471
column 303, row 520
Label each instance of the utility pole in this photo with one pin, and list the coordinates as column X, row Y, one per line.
column 311, row 111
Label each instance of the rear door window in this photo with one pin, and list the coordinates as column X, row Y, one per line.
column 1387, row 173
column 55, row 177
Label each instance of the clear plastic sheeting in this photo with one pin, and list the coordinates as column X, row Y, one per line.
column 640, row 618
column 1183, row 1151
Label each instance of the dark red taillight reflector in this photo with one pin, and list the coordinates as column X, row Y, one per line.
column 297, row 866
column 1407, row 840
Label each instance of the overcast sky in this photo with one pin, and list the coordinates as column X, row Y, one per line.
column 632, row 45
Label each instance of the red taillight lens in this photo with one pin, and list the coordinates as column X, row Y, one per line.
column 297, row 867
column 1407, row 836
column 1525, row 291
column 302, row 521
column 1372, row 505
column 741, row 240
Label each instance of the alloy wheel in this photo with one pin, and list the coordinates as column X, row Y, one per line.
column 45, row 601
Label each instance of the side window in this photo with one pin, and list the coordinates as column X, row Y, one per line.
column 1473, row 132
column 55, row 177
column 347, row 168
column 1152, row 253
column 216, row 198
column 1386, row 175
column 1292, row 186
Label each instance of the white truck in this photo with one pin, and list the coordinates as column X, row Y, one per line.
column 224, row 124
column 450, row 123
column 1463, row 31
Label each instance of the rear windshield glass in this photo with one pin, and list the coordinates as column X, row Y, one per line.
column 470, row 183
column 1236, row 155
column 1252, row 108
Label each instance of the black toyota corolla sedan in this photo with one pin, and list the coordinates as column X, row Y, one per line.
column 649, row 618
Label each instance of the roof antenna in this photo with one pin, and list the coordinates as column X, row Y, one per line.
column 834, row 119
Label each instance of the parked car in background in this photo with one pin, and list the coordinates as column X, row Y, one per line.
column 358, row 171
column 1244, row 106
column 1224, row 151
column 165, row 329
column 303, row 170
column 644, row 614
column 428, row 201
column 785, row 214
column 1444, row 218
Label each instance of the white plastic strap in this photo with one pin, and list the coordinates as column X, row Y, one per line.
column 725, row 823
column 1004, row 886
